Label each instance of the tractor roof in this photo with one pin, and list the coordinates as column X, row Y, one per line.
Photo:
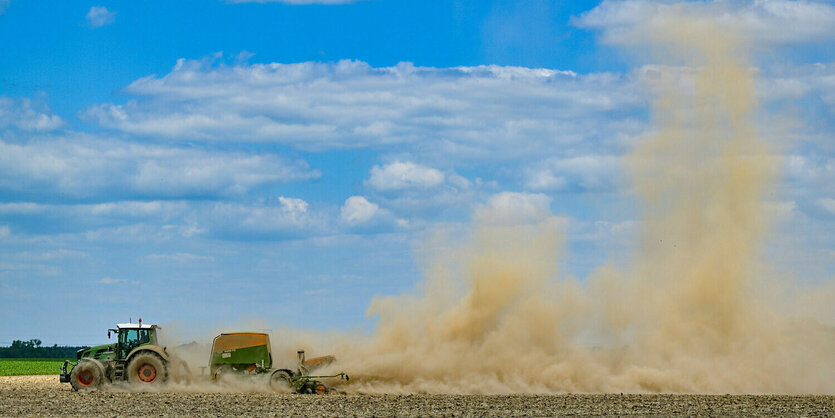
column 137, row 326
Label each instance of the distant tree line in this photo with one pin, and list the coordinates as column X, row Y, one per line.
column 33, row 349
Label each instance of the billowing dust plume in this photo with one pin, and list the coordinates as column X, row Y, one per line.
column 495, row 315
column 690, row 313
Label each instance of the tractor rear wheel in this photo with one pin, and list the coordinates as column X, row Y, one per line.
column 87, row 375
column 147, row 369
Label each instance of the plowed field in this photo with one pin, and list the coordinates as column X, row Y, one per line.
column 44, row 396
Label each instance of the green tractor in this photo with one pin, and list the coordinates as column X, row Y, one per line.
column 135, row 357
column 249, row 353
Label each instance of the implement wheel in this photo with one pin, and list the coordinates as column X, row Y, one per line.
column 87, row 375
column 280, row 381
column 147, row 369
column 224, row 372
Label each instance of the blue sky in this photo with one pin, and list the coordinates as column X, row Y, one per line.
column 211, row 162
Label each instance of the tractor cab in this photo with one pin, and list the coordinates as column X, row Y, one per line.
column 131, row 336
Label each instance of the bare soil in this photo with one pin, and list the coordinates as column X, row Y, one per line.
column 45, row 396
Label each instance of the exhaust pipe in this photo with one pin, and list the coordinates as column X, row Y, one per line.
column 302, row 367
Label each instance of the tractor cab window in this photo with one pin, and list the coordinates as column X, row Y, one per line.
column 144, row 338
column 132, row 338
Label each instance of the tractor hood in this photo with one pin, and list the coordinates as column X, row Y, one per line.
column 96, row 352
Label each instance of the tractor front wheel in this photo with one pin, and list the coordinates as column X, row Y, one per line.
column 147, row 369
column 87, row 375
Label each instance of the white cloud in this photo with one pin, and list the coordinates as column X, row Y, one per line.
column 288, row 219
column 4, row 231
column 411, row 190
column 545, row 179
column 27, row 115
column 513, row 208
column 179, row 258
column 46, row 219
column 808, row 181
column 51, row 255
column 277, row 218
column 358, row 210
column 293, row 205
column 810, row 168
column 30, row 269
column 99, row 16
column 401, row 175
column 790, row 82
column 591, row 173
column 761, row 22
column 358, row 214
column 484, row 112
column 132, row 209
column 780, row 210
column 113, row 280
column 21, row 208
column 83, row 166
column 828, row 203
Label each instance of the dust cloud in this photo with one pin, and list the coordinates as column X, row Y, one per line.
column 689, row 313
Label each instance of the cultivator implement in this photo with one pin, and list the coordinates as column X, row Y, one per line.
column 249, row 353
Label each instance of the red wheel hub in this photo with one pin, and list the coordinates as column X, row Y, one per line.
column 85, row 378
column 147, row 373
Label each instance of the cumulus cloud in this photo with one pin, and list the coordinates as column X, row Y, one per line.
column 591, row 173
column 810, row 169
column 808, row 182
column 358, row 214
column 179, row 258
column 763, row 22
column 83, row 166
column 275, row 219
column 99, row 16
column 124, row 209
column 59, row 218
column 27, row 115
column 134, row 209
column 358, row 210
column 829, row 204
column 515, row 208
column 413, row 190
column 59, row 254
column 811, row 86
column 400, row 175
column 483, row 112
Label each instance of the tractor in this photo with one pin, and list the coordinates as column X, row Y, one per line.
column 249, row 354
column 135, row 357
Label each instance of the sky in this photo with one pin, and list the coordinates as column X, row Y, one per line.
column 197, row 163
